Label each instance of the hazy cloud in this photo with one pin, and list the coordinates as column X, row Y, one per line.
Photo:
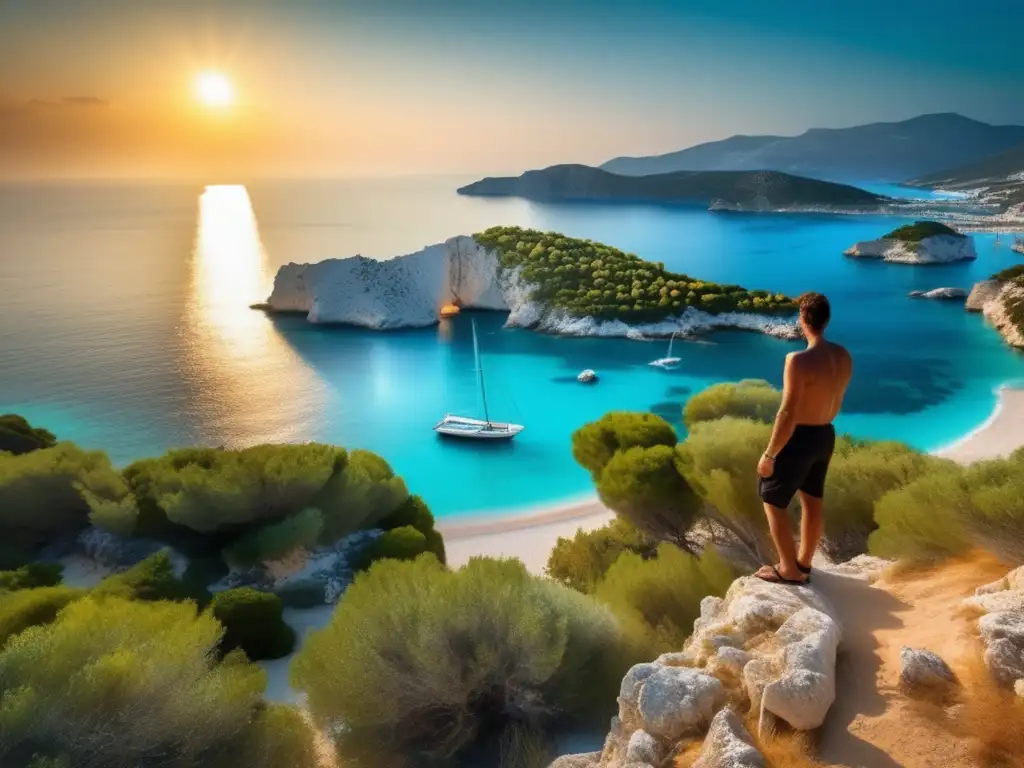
column 11, row 107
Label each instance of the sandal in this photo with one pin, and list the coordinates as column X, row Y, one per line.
column 805, row 569
column 779, row 579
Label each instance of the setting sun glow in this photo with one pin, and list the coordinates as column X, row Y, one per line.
column 214, row 89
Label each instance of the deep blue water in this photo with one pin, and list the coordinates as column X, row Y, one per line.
column 124, row 326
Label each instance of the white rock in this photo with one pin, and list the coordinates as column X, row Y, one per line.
column 677, row 659
column 755, row 605
column 1018, row 688
column 999, row 625
column 409, row 291
column 806, row 689
column 1005, row 660
column 728, row 745
column 730, row 660
column 924, row 673
column 998, row 312
column 995, row 586
column 940, row 293
column 938, row 249
column 586, row 760
column 865, row 567
column 1015, row 579
column 629, row 689
column 711, row 608
column 981, row 294
column 1007, row 600
column 674, row 701
column 644, row 748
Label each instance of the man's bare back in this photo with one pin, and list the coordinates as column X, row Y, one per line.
column 820, row 375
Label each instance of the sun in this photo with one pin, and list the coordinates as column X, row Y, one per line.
column 214, row 89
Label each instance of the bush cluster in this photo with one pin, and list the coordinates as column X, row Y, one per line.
column 750, row 399
column 17, row 436
column 32, row 608
column 590, row 279
column 420, row 662
column 253, row 623
column 31, row 576
column 582, row 561
column 919, row 230
column 150, row 580
column 114, row 682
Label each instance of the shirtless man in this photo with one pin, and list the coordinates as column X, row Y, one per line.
column 803, row 438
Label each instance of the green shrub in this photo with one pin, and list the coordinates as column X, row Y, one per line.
column 17, row 436
column 582, row 561
column 860, row 474
column 119, row 683
column 276, row 540
column 31, row 576
column 404, row 543
column 663, row 593
column 254, row 623
column 415, row 512
column 56, row 491
column 719, row 460
column 585, row 278
column 919, row 230
column 1010, row 273
column 749, row 399
column 152, row 579
column 419, row 661
column 594, row 444
column 644, row 486
column 32, row 607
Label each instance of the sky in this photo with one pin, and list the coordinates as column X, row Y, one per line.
column 106, row 88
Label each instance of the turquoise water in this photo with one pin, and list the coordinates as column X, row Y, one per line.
column 124, row 326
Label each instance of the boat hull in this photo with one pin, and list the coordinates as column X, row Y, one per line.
column 667, row 363
column 476, row 429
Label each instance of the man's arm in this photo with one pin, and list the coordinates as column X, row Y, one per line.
column 785, row 421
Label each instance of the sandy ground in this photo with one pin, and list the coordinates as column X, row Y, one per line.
column 872, row 725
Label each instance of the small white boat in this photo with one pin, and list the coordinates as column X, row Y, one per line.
column 586, row 376
column 479, row 429
column 668, row 362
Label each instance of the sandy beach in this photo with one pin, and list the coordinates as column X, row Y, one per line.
column 1000, row 435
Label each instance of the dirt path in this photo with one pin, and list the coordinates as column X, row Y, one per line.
column 872, row 725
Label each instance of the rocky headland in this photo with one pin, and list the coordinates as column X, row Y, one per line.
column 926, row 242
column 467, row 272
column 1001, row 300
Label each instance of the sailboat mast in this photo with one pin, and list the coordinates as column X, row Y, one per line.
column 480, row 372
column 670, row 340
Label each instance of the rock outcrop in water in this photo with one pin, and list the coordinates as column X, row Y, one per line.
column 1001, row 301
column 409, row 291
column 926, row 242
column 940, row 293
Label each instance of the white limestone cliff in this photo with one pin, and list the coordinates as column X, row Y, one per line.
column 937, row 249
column 409, row 291
column 996, row 300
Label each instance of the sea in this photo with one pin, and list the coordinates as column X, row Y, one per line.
column 125, row 327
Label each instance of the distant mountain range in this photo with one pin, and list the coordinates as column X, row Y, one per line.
column 723, row 190
column 879, row 151
column 996, row 179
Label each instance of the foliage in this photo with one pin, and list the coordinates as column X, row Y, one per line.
column 749, row 399
column 415, row 512
column 17, row 436
column 594, row 444
column 860, row 474
column 582, row 561
column 257, row 502
column 719, row 460
column 419, row 661
column 664, row 593
column 31, row 576
column 585, row 278
column 919, row 230
column 152, row 579
column 253, row 622
column 119, row 683
column 405, row 543
column 951, row 509
column 1009, row 274
column 32, row 607
column 276, row 540
column 55, row 491
column 643, row 485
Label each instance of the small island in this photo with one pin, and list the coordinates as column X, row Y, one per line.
column 754, row 191
column 1001, row 300
column 545, row 281
column 923, row 242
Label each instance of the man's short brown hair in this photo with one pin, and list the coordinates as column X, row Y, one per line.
column 815, row 311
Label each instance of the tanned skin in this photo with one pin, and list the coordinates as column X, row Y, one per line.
column 814, row 383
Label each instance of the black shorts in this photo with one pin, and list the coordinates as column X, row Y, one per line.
column 801, row 466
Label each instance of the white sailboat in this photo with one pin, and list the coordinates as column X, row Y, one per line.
column 668, row 362
column 485, row 429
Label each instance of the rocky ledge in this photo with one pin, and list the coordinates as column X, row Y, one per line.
column 1001, row 302
column 1000, row 607
column 938, row 249
column 409, row 292
column 940, row 293
column 764, row 648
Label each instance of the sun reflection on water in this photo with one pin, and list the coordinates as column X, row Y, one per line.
column 249, row 384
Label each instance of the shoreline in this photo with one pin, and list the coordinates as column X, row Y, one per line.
column 531, row 533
